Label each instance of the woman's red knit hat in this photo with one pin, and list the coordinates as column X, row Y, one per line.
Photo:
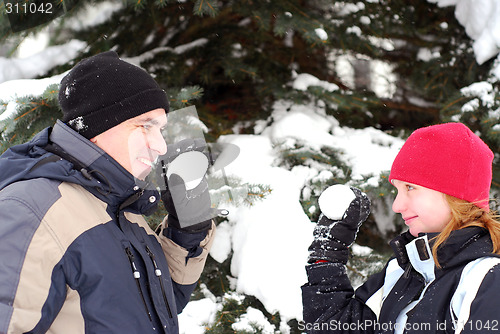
column 448, row 158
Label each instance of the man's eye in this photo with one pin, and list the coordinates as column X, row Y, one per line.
column 408, row 187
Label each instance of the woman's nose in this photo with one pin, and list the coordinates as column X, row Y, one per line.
column 398, row 205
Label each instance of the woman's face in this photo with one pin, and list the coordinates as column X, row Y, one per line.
column 424, row 210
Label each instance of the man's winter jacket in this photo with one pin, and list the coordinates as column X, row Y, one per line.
column 77, row 255
column 411, row 295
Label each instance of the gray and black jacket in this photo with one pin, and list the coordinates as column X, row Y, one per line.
column 77, row 255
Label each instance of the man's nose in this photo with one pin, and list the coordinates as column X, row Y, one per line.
column 157, row 143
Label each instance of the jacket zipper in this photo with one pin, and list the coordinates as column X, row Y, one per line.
column 158, row 274
column 137, row 275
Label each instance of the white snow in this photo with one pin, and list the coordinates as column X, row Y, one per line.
column 304, row 80
column 335, row 200
column 178, row 50
column 196, row 315
column 33, row 44
column 39, row 63
column 78, row 123
column 269, row 240
column 321, row 33
column 254, row 321
column 361, row 250
column 481, row 20
column 221, row 247
column 11, row 90
column 95, row 14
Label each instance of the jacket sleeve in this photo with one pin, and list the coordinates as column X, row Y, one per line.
column 330, row 304
column 185, row 265
column 185, row 268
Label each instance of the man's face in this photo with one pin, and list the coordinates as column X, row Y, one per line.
column 136, row 143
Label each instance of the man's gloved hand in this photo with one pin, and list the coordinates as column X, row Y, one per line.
column 192, row 206
column 189, row 209
column 343, row 210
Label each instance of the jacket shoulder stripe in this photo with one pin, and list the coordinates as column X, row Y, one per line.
column 468, row 286
column 70, row 216
column 392, row 274
column 20, row 218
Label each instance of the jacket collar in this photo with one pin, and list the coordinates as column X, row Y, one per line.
column 61, row 154
column 111, row 182
column 461, row 247
column 420, row 257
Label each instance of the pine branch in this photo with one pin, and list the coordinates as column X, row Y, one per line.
column 205, row 7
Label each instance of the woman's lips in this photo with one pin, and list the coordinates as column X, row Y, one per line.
column 408, row 220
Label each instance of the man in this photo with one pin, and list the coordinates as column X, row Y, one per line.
column 76, row 254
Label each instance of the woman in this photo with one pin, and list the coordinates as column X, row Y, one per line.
column 444, row 275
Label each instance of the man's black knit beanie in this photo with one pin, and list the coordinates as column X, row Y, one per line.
column 103, row 91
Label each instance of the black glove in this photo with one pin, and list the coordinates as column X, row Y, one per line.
column 333, row 237
column 189, row 210
column 193, row 207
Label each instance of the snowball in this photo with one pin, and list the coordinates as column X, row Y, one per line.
column 335, row 200
column 190, row 166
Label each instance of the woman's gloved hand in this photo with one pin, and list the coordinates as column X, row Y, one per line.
column 343, row 210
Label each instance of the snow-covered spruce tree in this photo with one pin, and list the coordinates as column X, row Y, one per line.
column 434, row 68
column 239, row 57
column 231, row 59
column 234, row 59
